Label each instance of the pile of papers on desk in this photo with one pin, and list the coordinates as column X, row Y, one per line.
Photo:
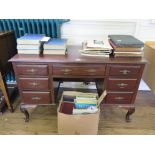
column 96, row 48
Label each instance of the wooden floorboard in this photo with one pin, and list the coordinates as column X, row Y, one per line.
column 43, row 119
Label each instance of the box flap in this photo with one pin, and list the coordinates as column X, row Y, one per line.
column 103, row 95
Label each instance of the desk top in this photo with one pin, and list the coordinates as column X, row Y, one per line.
column 74, row 56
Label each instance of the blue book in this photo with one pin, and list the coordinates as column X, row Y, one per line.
column 55, row 44
column 30, row 39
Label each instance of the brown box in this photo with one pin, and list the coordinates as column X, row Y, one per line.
column 82, row 124
column 149, row 71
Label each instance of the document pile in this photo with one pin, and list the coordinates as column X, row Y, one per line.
column 96, row 48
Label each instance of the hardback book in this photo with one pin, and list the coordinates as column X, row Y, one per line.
column 123, row 49
column 30, row 39
column 28, row 47
column 69, row 98
column 56, row 43
column 55, row 51
column 128, row 54
column 31, row 51
column 66, row 107
column 126, row 41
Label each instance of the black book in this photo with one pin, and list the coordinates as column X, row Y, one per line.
column 126, row 41
column 68, row 98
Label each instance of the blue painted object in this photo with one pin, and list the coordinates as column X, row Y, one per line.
column 49, row 27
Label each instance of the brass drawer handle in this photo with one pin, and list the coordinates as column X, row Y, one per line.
column 66, row 70
column 36, row 98
column 31, row 70
column 91, row 70
column 124, row 71
column 122, row 85
column 34, row 84
column 66, row 73
column 119, row 98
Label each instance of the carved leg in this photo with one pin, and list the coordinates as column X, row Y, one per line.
column 24, row 110
column 130, row 111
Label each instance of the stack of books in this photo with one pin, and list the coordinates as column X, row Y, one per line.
column 77, row 102
column 126, row 46
column 55, row 47
column 30, row 44
column 96, row 48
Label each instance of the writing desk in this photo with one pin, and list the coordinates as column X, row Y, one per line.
column 119, row 76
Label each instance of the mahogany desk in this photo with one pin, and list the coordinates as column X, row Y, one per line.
column 36, row 75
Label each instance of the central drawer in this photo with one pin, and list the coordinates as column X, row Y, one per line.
column 31, row 97
column 96, row 70
column 34, row 70
column 34, row 83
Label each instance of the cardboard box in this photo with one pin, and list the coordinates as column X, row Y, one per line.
column 82, row 124
column 149, row 71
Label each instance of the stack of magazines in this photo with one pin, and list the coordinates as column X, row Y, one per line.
column 96, row 48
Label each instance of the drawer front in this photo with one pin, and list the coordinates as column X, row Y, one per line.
column 124, row 71
column 79, row 70
column 30, row 97
column 119, row 98
column 41, row 70
column 33, row 83
column 121, row 84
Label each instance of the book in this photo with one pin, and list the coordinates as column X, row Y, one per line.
column 69, row 98
column 126, row 41
column 28, row 47
column 31, row 51
column 129, row 54
column 67, row 107
column 55, row 51
column 56, row 43
column 123, row 49
column 30, row 39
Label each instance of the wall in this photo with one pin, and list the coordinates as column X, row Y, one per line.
column 79, row 30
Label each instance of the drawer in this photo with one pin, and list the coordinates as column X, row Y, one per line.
column 34, row 83
column 119, row 98
column 121, row 84
column 41, row 70
column 31, row 97
column 96, row 70
column 124, row 71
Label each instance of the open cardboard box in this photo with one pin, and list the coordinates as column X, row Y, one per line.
column 81, row 124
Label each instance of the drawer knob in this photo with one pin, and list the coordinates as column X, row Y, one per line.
column 31, row 70
column 122, row 85
column 36, row 98
column 91, row 70
column 34, row 84
column 124, row 71
column 119, row 98
column 66, row 70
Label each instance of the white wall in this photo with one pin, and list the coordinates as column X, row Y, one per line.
column 79, row 30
